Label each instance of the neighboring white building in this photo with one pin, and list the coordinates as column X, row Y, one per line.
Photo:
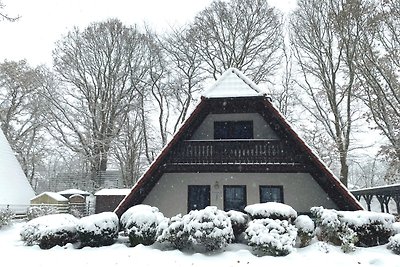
column 15, row 190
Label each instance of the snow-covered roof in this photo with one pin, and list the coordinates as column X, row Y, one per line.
column 53, row 195
column 113, row 192
column 233, row 83
column 14, row 186
column 74, row 191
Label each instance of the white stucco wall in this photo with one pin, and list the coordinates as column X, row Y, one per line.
column 300, row 190
column 261, row 129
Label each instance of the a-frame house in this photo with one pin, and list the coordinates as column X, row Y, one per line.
column 237, row 149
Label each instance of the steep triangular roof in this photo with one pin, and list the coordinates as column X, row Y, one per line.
column 15, row 189
column 236, row 86
column 233, row 83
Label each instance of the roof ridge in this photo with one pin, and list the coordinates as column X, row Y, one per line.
column 232, row 88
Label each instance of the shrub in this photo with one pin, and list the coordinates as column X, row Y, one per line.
column 6, row 216
column 50, row 230
column 98, row 229
column 239, row 221
column 271, row 237
column 371, row 228
column 396, row 228
column 141, row 224
column 38, row 211
column 362, row 228
column 305, row 230
column 175, row 233
column 271, row 210
column 394, row 243
column 209, row 229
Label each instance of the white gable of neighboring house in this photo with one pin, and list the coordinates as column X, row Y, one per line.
column 15, row 189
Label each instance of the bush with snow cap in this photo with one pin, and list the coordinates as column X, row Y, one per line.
column 6, row 216
column 305, row 230
column 271, row 237
column 50, row 230
column 372, row 228
column 38, row 211
column 98, row 229
column 209, row 229
column 239, row 221
column 363, row 228
column 394, row 243
column 271, row 210
column 141, row 223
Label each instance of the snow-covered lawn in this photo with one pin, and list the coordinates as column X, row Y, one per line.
column 14, row 253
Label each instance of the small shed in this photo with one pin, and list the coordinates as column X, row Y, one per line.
column 108, row 199
column 51, row 199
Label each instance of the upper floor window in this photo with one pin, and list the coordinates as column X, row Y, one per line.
column 233, row 130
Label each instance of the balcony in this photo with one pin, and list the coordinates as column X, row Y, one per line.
column 234, row 152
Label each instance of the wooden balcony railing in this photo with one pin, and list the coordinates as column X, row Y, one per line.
column 233, row 152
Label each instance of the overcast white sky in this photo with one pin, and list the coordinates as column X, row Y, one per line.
column 43, row 22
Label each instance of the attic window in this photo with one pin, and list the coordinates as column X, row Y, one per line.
column 233, row 130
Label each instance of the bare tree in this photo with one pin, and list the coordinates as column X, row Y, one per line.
column 99, row 69
column 378, row 68
column 245, row 34
column 21, row 109
column 325, row 37
column 128, row 148
column 4, row 15
column 185, row 68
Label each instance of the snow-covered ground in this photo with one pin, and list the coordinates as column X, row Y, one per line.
column 14, row 253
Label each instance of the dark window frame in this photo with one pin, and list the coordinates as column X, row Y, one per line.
column 235, row 186
column 243, row 129
column 208, row 188
column 280, row 187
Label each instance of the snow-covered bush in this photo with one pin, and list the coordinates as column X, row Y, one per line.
column 362, row 228
column 98, row 229
column 175, row 233
column 271, row 210
column 239, row 221
column 271, row 237
column 396, row 228
column 330, row 228
column 6, row 216
column 394, row 243
column 141, row 223
column 50, row 230
column 38, row 211
column 208, row 229
column 305, row 230
column 372, row 228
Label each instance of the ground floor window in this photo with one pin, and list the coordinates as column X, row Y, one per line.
column 198, row 197
column 235, row 197
column 271, row 193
